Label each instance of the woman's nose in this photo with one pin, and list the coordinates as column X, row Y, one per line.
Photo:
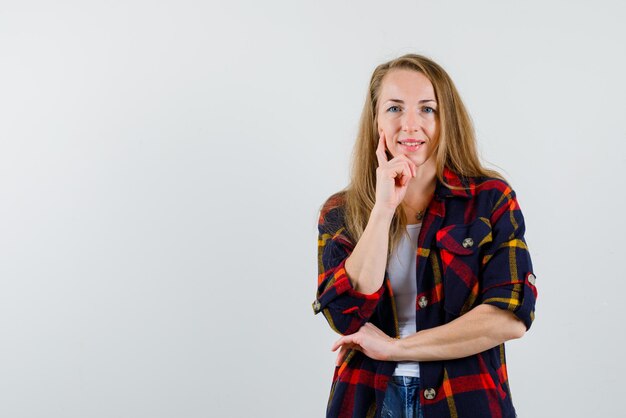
column 410, row 122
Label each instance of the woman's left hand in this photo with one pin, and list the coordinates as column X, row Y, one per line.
column 370, row 340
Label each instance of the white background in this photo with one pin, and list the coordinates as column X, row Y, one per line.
column 162, row 164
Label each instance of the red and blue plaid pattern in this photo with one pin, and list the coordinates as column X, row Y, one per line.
column 471, row 250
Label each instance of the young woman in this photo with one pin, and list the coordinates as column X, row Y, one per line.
column 423, row 267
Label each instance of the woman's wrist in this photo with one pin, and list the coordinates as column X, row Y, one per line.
column 382, row 214
column 395, row 349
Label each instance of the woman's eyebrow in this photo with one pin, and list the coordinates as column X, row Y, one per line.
column 402, row 101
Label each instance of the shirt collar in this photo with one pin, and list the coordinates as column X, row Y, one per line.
column 466, row 184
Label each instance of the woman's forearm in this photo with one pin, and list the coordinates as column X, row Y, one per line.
column 480, row 329
column 366, row 265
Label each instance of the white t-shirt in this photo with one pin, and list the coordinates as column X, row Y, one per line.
column 403, row 276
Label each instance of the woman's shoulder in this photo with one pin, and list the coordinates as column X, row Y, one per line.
column 495, row 195
column 487, row 183
column 492, row 185
column 332, row 210
column 336, row 200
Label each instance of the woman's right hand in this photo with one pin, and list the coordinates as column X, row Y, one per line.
column 392, row 177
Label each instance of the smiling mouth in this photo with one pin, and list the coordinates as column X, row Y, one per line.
column 411, row 143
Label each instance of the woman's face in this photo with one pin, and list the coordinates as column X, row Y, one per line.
column 407, row 115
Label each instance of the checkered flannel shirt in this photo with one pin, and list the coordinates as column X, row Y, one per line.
column 471, row 250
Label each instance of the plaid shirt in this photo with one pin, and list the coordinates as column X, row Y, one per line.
column 471, row 250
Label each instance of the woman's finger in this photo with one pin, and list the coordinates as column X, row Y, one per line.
column 409, row 171
column 344, row 350
column 341, row 341
column 401, row 172
column 341, row 355
column 381, row 156
column 412, row 167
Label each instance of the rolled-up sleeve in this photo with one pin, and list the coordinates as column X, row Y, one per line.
column 508, row 280
column 345, row 309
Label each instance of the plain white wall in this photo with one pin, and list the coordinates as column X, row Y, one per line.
column 162, row 165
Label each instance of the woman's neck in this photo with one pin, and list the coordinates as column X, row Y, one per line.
column 419, row 192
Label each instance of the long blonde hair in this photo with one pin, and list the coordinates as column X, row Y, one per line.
column 455, row 149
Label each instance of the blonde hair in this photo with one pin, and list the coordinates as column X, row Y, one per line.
column 455, row 148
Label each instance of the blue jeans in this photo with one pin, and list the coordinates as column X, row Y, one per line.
column 402, row 398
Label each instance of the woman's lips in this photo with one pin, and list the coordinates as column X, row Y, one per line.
column 411, row 145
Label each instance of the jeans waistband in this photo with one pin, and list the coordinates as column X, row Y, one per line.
column 405, row 380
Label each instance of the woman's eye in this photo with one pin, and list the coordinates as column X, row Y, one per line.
column 393, row 109
column 429, row 109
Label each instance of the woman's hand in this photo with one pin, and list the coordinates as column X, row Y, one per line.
column 392, row 177
column 370, row 340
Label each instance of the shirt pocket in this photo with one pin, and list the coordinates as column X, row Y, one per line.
column 460, row 247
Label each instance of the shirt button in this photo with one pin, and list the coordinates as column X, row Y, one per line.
column 316, row 306
column 468, row 242
column 531, row 279
column 430, row 393
column 423, row 302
